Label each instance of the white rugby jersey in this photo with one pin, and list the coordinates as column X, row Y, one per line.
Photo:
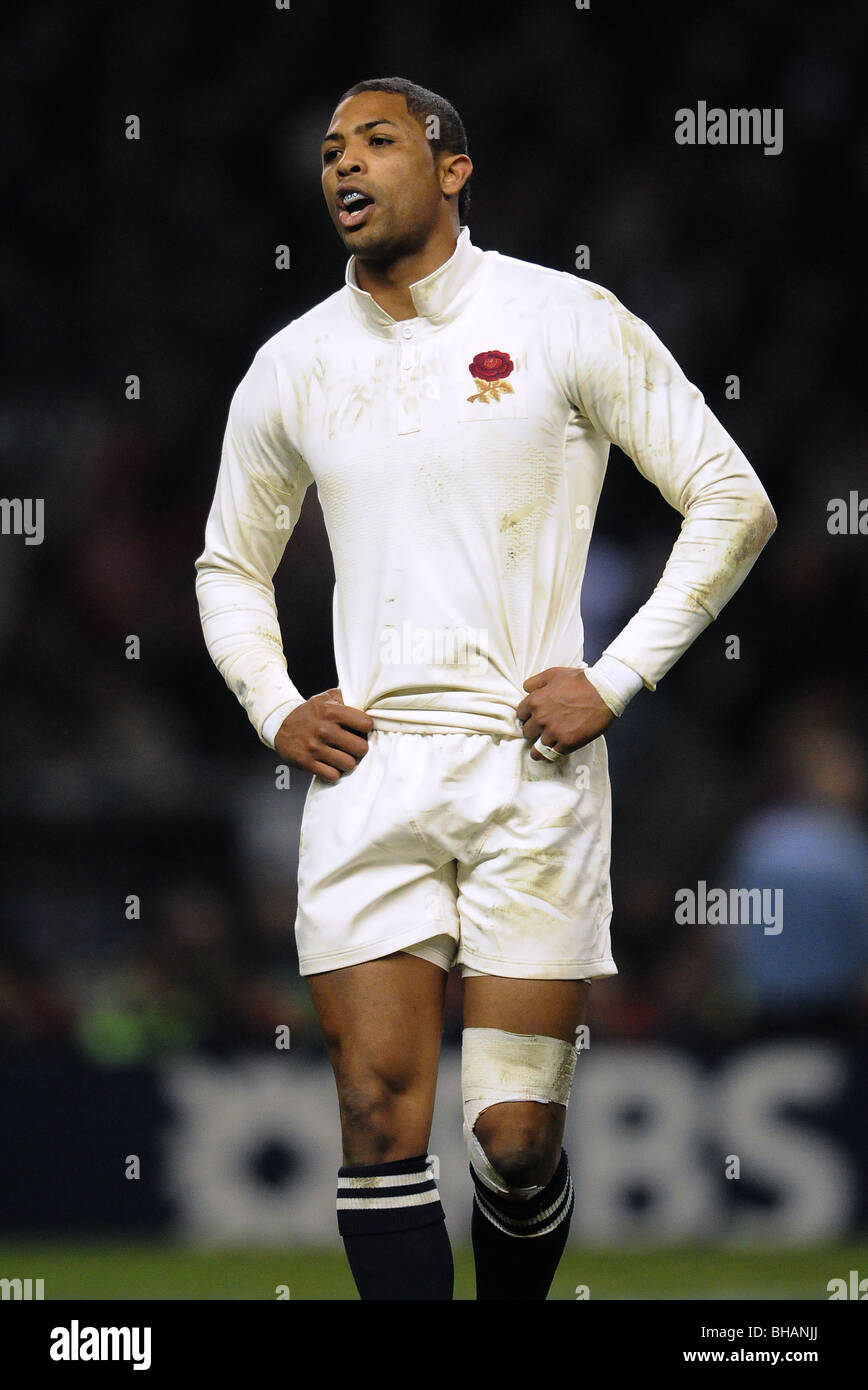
column 458, row 457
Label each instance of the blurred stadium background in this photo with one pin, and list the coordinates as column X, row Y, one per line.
column 149, row 1033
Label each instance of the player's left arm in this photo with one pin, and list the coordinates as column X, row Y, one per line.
column 633, row 392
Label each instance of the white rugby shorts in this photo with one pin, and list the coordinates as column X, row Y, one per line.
column 465, row 850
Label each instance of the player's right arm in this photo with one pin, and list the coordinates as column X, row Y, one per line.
column 260, row 489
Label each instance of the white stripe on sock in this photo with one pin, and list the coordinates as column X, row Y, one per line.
column 541, row 1215
column 396, row 1180
column 412, row 1199
column 492, row 1216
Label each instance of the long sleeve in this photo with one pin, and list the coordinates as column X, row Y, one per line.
column 261, row 485
column 631, row 389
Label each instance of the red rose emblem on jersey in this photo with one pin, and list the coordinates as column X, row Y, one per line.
column 490, row 370
column 491, row 366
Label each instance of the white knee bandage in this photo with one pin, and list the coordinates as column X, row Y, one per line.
column 498, row 1066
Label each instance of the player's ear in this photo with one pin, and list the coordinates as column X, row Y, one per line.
column 455, row 170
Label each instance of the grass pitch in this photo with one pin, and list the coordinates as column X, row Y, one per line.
column 149, row 1271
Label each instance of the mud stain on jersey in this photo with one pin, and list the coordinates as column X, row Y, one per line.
column 513, row 518
column 726, row 571
column 527, row 499
column 348, row 412
column 355, row 394
column 740, row 555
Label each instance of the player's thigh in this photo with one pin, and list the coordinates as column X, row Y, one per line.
column 383, row 1019
column 553, row 1008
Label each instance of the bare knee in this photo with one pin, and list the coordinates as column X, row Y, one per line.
column 522, row 1140
column 368, row 1105
column 382, row 1114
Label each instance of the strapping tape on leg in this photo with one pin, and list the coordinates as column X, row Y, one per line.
column 497, row 1066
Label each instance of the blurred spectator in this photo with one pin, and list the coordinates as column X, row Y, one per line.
column 812, row 844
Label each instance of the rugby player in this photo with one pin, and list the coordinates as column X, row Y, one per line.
column 455, row 409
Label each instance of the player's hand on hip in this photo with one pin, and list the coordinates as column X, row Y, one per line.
column 563, row 710
column 324, row 736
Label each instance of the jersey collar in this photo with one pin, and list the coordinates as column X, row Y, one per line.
column 440, row 297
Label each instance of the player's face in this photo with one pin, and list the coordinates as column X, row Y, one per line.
column 375, row 147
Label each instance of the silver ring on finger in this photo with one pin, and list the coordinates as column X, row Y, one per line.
column 547, row 751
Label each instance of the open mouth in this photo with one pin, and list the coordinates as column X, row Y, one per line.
column 353, row 206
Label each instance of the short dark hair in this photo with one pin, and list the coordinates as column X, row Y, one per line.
column 422, row 103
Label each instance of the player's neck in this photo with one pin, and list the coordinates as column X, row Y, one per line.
column 388, row 282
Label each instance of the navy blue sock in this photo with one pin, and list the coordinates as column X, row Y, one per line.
column 517, row 1245
column 394, row 1230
